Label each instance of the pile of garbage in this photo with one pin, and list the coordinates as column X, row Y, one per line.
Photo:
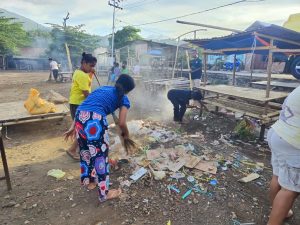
column 184, row 168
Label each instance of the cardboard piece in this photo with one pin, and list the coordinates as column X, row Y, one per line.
column 250, row 177
column 174, row 167
column 153, row 154
column 207, row 166
column 191, row 161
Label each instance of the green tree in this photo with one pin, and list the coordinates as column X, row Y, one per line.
column 77, row 39
column 128, row 33
column 12, row 36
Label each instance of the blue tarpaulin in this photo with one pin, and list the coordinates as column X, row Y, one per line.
column 251, row 39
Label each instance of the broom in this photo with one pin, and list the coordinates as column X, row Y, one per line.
column 130, row 145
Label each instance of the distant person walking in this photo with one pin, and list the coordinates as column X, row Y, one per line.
column 80, row 89
column 53, row 69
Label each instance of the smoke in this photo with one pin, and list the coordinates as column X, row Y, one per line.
column 146, row 105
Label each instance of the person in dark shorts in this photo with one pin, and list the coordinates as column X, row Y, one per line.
column 180, row 99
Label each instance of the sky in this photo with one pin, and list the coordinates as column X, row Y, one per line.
column 97, row 14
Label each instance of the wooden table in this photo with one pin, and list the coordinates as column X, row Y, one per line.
column 248, row 101
column 244, row 93
column 15, row 113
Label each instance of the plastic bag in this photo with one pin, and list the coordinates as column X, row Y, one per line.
column 36, row 105
column 58, row 174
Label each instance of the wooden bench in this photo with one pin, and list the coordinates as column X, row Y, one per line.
column 248, row 101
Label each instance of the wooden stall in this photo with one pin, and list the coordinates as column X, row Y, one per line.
column 255, row 103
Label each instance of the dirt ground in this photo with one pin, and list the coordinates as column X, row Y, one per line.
column 36, row 148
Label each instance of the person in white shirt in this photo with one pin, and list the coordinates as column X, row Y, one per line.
column 53, row 69
column 284, row 142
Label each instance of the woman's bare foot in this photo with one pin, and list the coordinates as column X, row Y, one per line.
column 113, row 193
column 91, row 186
column 73, row 155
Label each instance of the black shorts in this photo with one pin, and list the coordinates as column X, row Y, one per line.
column 55, row 73
column 73, row 109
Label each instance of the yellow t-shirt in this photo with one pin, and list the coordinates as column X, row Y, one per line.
column 81, row 81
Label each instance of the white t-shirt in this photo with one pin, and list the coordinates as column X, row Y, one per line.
column 53, row 65
column 136, row 70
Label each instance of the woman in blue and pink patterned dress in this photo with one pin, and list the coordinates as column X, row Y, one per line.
column 90, row 126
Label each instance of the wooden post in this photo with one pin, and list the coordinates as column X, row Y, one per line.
column 251, row 69
column 4, row 162
column 127, row 56
column 69, row 57
column 176, row 56
column 204, row 64
column 188, row 63
column 234, row 70
column 269, row 69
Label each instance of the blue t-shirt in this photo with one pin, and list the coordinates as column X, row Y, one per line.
column 104, row 101
column 196, row 67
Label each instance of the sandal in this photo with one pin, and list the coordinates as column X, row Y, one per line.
column 75, row 157
column 114, row 193
column 290, row 214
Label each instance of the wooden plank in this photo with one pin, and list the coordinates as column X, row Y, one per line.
column 278, row 84
column 233, row 109
column 269, row 69
column 14, row 122
column 15, row 111
column 205, row 70
column 244, row 93
column 286, row 50
column 209, row 26
column 254, row 111
column 188, row 64
column 234, row 70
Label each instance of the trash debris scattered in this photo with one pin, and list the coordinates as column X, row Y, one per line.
column 186, row 194
column 138, row 174
column 173, row 188
column 213, row 182
column 207, row 166
column 56, row 173
column 250, row 177
column 178, row 175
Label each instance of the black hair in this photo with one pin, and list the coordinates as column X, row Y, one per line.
column 124, row 85
column 88, row 58
column 196, row 95
column 50, row 59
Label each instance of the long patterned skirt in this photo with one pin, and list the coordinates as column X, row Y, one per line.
column 92, row 136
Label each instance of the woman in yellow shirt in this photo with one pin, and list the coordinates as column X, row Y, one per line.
column 80, row 89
